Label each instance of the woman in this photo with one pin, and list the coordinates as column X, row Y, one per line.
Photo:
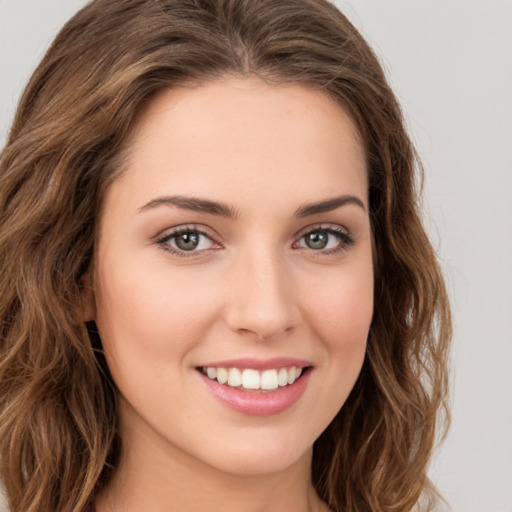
column 177, row 332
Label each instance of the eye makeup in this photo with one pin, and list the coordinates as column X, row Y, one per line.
column 192, row 241
column 320, row 236
column 187, row 235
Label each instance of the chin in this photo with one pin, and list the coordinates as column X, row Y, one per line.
column 260, row 451
column 257, row 463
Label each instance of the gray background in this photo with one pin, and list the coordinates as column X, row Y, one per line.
column 450, row 62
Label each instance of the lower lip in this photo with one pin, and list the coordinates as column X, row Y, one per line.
column 253, row 403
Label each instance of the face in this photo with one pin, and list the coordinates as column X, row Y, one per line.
column 233, row 278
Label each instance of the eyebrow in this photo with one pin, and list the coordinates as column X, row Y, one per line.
column 194, row 204
column 328, row 205
column 200, row 205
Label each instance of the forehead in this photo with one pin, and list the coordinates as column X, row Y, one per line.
column 245, row 132
column 220, row 106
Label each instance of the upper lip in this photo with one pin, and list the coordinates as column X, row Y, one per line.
column 258, row 364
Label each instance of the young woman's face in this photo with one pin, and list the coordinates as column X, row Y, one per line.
column 236, row 246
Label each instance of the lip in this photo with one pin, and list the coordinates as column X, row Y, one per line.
column 251, row 403
column 259, row 364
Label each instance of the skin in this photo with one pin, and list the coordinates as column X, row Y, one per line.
column 253, row 288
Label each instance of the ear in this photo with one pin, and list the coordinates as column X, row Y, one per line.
column 87, row 299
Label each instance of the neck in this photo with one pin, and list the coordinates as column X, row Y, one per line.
column 155, row 492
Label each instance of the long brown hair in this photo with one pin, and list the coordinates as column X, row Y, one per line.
column 58, row 434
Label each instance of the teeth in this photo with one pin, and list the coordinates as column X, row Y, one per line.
column 253, row 379
column 222, row 375
column 234, row 377
column 269, row 379
column 282, row 378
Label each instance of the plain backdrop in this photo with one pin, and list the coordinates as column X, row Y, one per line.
column 450, row 63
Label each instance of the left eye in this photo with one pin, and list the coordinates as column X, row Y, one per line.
column 326, row 239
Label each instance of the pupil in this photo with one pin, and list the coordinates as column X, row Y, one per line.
column 317, row 240
column 187, row 241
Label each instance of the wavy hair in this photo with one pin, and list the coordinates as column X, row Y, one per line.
column 59, row 441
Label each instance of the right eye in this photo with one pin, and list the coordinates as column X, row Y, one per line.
column 186, row 242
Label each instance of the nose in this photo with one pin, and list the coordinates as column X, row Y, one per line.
column 262, row 300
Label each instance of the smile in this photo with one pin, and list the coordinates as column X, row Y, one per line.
column 252, row 379
column 255, row 387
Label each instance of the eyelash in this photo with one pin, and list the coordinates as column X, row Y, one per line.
column 345, row 240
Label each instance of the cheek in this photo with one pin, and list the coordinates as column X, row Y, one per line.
column 342, row 309
column 340, row 312
column 141, row 312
